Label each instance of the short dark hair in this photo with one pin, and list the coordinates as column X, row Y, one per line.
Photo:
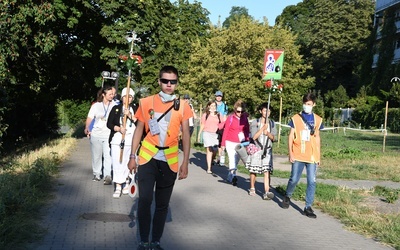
column 263, row 106
column 168, row 69
column 309, row 97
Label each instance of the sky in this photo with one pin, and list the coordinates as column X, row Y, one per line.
column 256, row 8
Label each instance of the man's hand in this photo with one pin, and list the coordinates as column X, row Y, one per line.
column 183, row 171
column 132, row 165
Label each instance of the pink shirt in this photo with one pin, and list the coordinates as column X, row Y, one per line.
column 211, row 124
column 233, row 126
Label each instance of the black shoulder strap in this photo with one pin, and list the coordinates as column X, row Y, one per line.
column 219, row 119
column 306, row 122
column 169, row 109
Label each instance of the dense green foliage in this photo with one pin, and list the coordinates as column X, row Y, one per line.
column 55, row 50
column 232, row 62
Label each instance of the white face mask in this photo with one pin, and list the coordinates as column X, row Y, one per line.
column 166, row 97
column 307, row 109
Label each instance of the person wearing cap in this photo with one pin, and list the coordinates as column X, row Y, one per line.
column 222, row 109
column 186, row 97
column 117, row 143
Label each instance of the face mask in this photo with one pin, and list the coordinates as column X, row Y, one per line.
column 307, row 109
column 166, row 98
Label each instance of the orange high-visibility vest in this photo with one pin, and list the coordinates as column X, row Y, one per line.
column 305, row 151
column 151, row 143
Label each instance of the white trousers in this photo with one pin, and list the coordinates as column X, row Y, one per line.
column 100, row 149
column 120, row 169
column 233, row 157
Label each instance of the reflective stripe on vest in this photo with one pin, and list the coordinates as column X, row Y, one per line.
column 147, row 150
column 172, row 155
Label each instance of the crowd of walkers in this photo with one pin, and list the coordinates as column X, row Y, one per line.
column 144, row 139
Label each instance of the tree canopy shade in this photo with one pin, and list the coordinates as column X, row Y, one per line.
column 56, row 50
column 232, row 62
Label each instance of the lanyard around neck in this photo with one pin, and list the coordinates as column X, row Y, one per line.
column 105, row 110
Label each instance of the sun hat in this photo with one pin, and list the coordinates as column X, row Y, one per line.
column 131, row 92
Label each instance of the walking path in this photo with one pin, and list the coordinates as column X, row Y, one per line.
column 205, row 213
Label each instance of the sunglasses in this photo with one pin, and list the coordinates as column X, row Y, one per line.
column 239, row 111
column 165, row 81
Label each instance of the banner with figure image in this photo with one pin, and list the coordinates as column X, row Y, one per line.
column 273, row 64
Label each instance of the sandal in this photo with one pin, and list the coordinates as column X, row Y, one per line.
column 252, row 191
column 117, row 192
column 209, row 172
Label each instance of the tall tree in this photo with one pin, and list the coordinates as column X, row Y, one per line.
column 166, row 32
column 235, row 14
column 233, row 60
column 333, row 38
column 54, row 50
column 338, row 32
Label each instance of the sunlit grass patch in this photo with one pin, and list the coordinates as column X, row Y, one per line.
column 25, row 184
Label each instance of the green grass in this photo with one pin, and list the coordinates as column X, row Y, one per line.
column 355, row 155
column 348, row 206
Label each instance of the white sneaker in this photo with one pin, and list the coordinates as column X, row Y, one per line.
column 117, row 192
column 125, row 190
column 222, row 160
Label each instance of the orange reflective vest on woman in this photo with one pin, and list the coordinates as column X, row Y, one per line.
column 305, row 151
column 151, row 143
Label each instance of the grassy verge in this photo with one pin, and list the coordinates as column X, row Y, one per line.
column 25, row 186
column 354, row 155
column 351, row 208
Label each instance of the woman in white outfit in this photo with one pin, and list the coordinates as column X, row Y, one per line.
column 99, row 134
column 118, row 144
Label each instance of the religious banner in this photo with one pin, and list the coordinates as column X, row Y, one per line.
column 273, row 64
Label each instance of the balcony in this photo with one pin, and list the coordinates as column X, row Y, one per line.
column 383, row 4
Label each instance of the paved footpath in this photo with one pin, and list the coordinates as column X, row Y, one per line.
column 205, row 213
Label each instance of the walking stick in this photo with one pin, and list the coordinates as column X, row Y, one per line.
column 126, row 104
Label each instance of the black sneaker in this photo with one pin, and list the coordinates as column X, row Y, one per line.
column 155, row 246
column 285, row 202
column 144, row 246
column 234, row 181
column 309, row 213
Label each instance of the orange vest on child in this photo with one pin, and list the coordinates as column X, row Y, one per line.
column 305, row 151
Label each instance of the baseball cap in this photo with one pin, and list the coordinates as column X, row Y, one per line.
column 186, row 96
column 131, row 92
column 218, row 93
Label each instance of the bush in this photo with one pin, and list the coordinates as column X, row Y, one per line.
column 22, row 194
column 72, row 113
